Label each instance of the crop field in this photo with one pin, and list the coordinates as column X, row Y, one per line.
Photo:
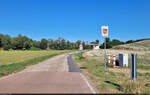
column 9, row 57
column 15, row 61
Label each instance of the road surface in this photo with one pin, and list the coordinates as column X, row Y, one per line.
column 55, row 75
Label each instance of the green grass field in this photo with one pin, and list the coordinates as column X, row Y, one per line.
column 14, row 61
column 9, row 57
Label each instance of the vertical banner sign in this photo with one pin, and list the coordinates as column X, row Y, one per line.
column 104, row 31
column 81, row 46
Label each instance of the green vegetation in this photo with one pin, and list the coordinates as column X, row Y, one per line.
column 15, row 56
column 144, row 67
column 7, row 68
column 143, row 74
column 115, row 80
column 110, row 44
column 24, row 43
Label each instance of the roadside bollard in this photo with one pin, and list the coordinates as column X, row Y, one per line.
column 108, row 58
column 114, row 60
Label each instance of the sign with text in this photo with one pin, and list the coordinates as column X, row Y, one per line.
column 104, row 31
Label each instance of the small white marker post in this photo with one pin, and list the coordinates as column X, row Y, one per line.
column 104, row 31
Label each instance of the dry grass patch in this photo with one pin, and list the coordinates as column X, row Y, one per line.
column 115, row 80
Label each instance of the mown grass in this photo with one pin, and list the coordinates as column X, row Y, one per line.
column 15, row 56
column 6, row 69
column 110, row 81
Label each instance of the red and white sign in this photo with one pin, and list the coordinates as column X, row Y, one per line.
column 104, row 31
column 81, row 45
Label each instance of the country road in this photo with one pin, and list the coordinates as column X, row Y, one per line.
column 55, row 75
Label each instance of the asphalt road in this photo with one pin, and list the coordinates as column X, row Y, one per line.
column 55, row 75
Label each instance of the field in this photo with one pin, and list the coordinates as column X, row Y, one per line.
column 117, row 80
column 9, row 57
column 14, row 61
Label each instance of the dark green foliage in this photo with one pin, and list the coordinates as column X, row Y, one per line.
column 110, row 44
column 43, row 44
column 129, row 41
column 6, row 43
column 24, row 43
column 36, row 44
column 95, row 42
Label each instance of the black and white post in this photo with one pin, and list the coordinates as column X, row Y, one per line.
column 104, row 31
column 133, row 66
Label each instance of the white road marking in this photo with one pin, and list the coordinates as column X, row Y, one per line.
column 91, row 88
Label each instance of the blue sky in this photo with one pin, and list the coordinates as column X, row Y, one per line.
column 75, row 19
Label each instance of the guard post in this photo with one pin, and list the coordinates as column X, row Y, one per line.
column 133, row 66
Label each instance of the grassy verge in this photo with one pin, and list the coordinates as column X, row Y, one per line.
column 115, row 80
column 15, row 67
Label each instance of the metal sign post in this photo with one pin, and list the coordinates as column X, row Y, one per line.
column 104, row 31
column 105, row 55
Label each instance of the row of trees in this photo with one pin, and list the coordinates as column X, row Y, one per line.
column 111, row 43
column 115, row 42
column 24, row 43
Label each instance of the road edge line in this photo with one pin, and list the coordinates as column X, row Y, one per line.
column 88, row 84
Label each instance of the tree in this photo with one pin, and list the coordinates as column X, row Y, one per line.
column 1, row 36
column 108, row 44
column 26, row 42
column 6, row 43
column 36, row 44
column 97, row 41
column 115, row 42
column 77, row 44
column 129, row 41
column 43, row 44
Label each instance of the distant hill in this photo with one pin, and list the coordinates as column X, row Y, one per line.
column 141, row 44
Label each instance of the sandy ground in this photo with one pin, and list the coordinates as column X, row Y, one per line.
column 50, row 76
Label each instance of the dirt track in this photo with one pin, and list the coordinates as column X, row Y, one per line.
column 50, row 76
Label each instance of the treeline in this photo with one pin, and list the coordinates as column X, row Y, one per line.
column 115, row 42
column 111, row 43
column 25, row 43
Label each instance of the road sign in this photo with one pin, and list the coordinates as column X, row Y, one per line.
column 81, row 46
column 104, row 31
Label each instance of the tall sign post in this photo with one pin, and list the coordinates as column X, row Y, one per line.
column 104, row 31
